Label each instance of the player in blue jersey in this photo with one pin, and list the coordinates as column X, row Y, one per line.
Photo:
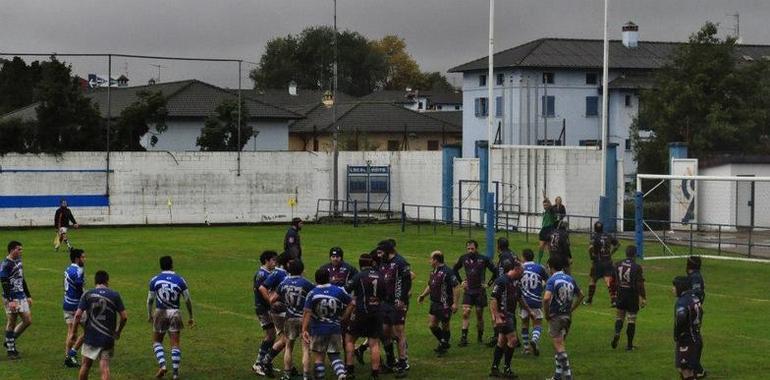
column 631, row 296
column 602, row 246
column 475, row 295
column 74, row 281
column 277, row 313
column 292, row 292
column 699, row 288
column 397, row 276
column 367, row 288
column 261, row 304
column 340, row 272
column 16, row 297
column 166, row 291
column 443, row 290
column 321, row 329
column 562, row 297
column 532, row 284
column 688, row 317
column 103, row 306
column 506, row 294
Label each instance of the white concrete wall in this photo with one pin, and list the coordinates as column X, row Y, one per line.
column 182, row 135
column 204, row 186
column 717, row 201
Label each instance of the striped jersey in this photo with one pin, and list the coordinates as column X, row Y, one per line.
column 73, row 286
column 167, row 288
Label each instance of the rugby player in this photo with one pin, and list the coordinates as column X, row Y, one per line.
column 505, row 295
column 442, row 288
column 292, row 292
column 603, row 245
column 629, row 281
column 340, row 272
column 367, row 288
column 532, row 282
column 16, row 297
column 562, row 297
column 475, row 295
column 74, row 280
column 397, row 276
column 688, row 316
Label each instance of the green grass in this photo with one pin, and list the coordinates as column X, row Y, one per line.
column 218, row 263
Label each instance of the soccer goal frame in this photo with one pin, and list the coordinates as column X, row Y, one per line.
column 640, row 225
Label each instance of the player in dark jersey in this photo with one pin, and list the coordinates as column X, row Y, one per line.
column 325, row 307
column 559, row 245
column 103, row 306
column 262, row 305
column 397, row 276
column 688, row 316
column 504, row 254
column 699, row 288
column 562, row 296
column 291, row 243
column 602, row 246
column 367, row 288
column 547, row 226
column 629, row 284
column 16, row 297
column 475, row 296
column 292, row 292
column 340, row 272
column 506, row 293
column 442, row 288
column 61, row 220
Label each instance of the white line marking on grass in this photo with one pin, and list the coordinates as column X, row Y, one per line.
column 708, row 293
column 225, row 311
column 746, row 259
column 597, row 312
column 753, row 338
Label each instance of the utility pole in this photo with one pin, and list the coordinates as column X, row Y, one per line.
column 336, row 131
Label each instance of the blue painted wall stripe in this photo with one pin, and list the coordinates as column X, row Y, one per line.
column 39, row 201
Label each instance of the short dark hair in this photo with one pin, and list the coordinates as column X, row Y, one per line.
column 386, row 246
column 474, row 242
column 284, row 258
column 682, row 284
column 528, row 254
column 295, row 267
column 556, row 262
column 101, row 277
column 166, row 263
column 75, row 253
column 321, row 277
column 502, row 243
column 12, row 245
column 438, row 256
column 631, row 251
column 693, row 263
column 509, row 265
column 267, row 256
column 392, row 241
column 365, row 261
column 296, row 221
column 336, row 251
column 598, row 227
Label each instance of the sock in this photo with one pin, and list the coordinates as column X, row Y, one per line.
column 363, row 347
column 465, row 334
column 539, row 256
column 269, row 356
column 618, row 326
column 497, row 356
column 437, row 333
column 480, row 332
column 508, row 356
column 630, row 331
column 10, row 341
column 320, row 371
column 536, row 334
column 264, row 348
column 447, row 335
column 350, row 369
column 591, row 292
column 565, row 368
column 375, row 373
column 525, row 336
column 337, row 365
column 176, row 359
column 72, row 353
column 160, row 354
column 390, row 358
column 558, row 370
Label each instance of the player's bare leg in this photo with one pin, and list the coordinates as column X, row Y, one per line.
column 620, row 317
column 104, row 366
column 85, row 368
column 374, row 344
column 350, row 347
column 525, row 334
column 306, row 365
column 71, row 344
column 480, row 324
column 26, row 321
column 288, row 352
column 465, row 324
column 591, row 289
column 400, row 334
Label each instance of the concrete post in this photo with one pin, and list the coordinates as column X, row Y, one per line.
column 482, row 153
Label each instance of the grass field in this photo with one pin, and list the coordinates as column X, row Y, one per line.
column 218, row 263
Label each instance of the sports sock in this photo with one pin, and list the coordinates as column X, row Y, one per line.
column 72, row 353
column 337, row 365
column 320, row 371
column 525, row 336
column 536, row 334
column 390, row 358
column 630, row 331
column 565, row 367
column 264, row 348
column 269, row 356
column 618, row 326
column 160, row 354
column 465, row 334
column 447, row 335
column 375, row 373
column 557, row 370
column 437, row 333
column 498, row 354
column 350, row 369
column 539, row 256
column 591, row 292
column 176, row 359
column 508, row 356
column 10, row 341
column 480, row 332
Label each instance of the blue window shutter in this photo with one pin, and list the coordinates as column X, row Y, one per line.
column 485, row 106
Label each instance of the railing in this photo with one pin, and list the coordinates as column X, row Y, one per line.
column 354, row 211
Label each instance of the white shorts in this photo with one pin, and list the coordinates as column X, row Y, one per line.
column 96, row 353
column 167, row 320
column 62, row 230
column 22, row 306
column 69, row 317
column 536, row 313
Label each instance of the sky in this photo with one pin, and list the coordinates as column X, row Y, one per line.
column 439, row 34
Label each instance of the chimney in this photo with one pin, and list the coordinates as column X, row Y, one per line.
column 293, row 88
column 630, row 35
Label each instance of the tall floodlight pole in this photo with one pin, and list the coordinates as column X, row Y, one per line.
column 239, row 118
column 109, row 117
column 490, row 76
column 605, row 103
column 334, row 116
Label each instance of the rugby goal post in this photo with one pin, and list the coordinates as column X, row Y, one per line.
column 693, row 184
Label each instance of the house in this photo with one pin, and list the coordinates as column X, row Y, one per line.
column 741, row 204
column 416, row 100
column 548, row 91
column 189, row 103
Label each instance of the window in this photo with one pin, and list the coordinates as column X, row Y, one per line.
column 357, row 185
column 457, row 107
column 548, row 78
column 592, row 106
column 394, row 145
column 438, row 107
column 419, row 105
column 499, row 106
column 628, row 100
column 628, row 144
column 552, row 142
column 500, row 79
column 593, row 142
column 482, row 80
column 592, row 78
column 548, row 104
column 432, row 144
column 481, row 107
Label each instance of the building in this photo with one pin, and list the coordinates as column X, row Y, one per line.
column 548, row 91
column 417, row 100
column 741, row 204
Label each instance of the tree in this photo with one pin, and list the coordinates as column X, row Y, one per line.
column 403, row 70
column 706, row 99
column 17, row 136
column 434, row 81
column 220, row 132
column 136, row 120
column 17, row 84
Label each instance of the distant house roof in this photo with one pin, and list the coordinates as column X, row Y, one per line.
column 403, row 97
column 367, row 116
column 633, row 81
column 726, row 159
column 449, row 117
column 303, row 102
column 570, row 53
column 187, row 98
column 446, row 97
